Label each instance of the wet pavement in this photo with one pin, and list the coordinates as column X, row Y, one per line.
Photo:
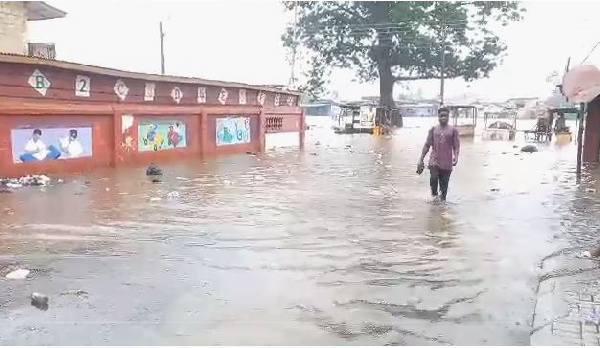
column 333, row 245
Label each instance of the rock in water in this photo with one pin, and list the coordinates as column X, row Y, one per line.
column 153, row 170
column 529, row 148
column 39, row 301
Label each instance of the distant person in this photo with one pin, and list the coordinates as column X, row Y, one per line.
column 445, row 143
column 36, row 150
column 71, row 146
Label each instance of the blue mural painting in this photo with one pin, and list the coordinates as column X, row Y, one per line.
column 41, row 144
column 233, row 130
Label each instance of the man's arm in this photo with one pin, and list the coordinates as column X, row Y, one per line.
column 428, row 144
column 456, row 145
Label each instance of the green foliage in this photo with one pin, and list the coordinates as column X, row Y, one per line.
column 399, row 41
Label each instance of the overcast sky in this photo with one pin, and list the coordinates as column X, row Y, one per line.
column 240, row 41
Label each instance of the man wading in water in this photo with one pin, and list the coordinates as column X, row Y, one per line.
column 444, row 155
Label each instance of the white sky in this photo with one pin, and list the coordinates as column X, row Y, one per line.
column 240, row 41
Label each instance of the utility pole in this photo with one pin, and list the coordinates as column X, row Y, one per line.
column 294, row 49
column 443, row 65
column 162, row 49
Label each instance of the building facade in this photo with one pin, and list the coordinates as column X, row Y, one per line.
column 14, row 16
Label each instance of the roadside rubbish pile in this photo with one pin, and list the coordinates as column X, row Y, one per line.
column 28, row 180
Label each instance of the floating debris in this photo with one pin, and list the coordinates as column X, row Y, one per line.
column 18, row 274
column 28, row 180
column 529, row 148
column 153, row 170
column 173, row 195
column 75, row 292
column 39, row 301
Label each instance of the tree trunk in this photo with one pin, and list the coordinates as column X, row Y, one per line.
column 386, row 97
column 386, row 87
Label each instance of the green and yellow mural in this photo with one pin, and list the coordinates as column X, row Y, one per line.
column 158, row 135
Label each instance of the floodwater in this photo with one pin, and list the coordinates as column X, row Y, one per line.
column 333, row 246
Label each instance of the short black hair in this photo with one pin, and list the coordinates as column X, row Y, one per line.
column 73, row 133
column 443, row 109
column 37, row 131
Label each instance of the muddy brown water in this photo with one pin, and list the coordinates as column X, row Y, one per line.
column 332, row 245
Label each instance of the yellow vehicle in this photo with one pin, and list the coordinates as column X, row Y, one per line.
column 562, row 133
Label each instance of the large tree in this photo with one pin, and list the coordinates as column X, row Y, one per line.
column 398, row 41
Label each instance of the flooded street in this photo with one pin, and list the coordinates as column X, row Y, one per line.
column 330, row 246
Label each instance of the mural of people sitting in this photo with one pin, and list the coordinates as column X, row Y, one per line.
column 42, row 144
column 36, row 150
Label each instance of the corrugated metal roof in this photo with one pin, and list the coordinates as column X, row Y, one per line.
column 22, row 59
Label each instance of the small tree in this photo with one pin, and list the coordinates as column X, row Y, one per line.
column 399, row 41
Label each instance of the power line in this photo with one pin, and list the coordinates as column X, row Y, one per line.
column 586, row 57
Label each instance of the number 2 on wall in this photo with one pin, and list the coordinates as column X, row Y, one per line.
column 82, row 86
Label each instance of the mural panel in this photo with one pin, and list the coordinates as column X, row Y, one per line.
column 41, row 144
column 233, row 130
column 161, row 135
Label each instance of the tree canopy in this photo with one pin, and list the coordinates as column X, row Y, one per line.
column 399, row 41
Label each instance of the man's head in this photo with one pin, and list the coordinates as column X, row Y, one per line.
column 73, row 134
column 37, row 133
column 443, row 116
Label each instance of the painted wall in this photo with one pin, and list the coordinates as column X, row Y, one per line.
column 95, row 133
column 122, row 121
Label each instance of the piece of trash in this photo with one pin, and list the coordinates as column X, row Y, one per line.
column 60, row 181
column 153, row 169
column 348, row 146
column 39, row 301
column 318, row 143
column 529, row 148
column 155, row 199
column 585, row 255
column 590, row 190
column 251, row 153
column 75, row 292
column 18, row 274
column 495, row 190
column 173, row 194
column 314, row 154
